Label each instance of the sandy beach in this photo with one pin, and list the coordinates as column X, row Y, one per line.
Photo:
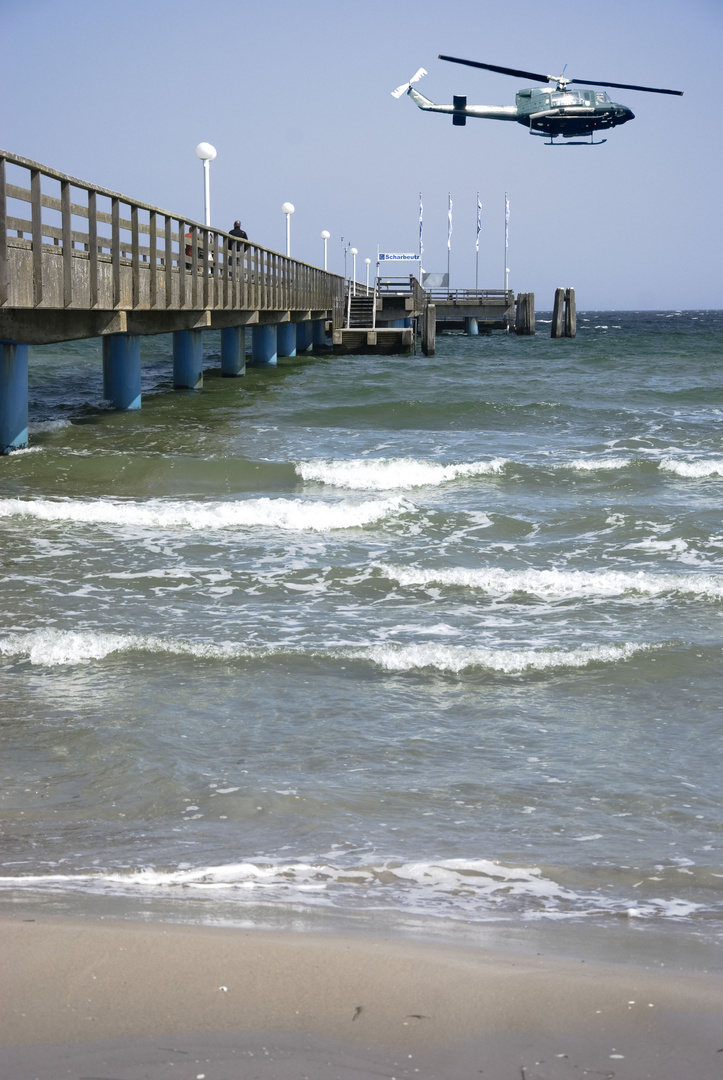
column 132, row 1001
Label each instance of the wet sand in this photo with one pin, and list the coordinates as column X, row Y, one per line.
column 104, row 1000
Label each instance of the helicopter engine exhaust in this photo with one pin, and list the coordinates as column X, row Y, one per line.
column 458, row 118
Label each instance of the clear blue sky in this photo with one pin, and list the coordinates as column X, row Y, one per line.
column 296, row 99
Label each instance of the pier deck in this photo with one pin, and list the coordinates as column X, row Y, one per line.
column 81, row 261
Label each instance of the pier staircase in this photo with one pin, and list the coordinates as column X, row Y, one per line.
column 361, row 311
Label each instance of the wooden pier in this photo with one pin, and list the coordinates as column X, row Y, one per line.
column 81, row 261
column 473, row 310
column 387, row 318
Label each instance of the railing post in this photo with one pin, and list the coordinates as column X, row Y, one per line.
column 152, row 258
column 93, row 247
column 217, row 298
column 168, row 261
column 115, row 250
column 37, row 220
column 206, row 267
column 135, row 259
column 194, row 266
column 3, row 237
column 67, row 244
column 227, row 295
column 181, row 261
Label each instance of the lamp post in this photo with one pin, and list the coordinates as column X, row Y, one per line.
column 206, row 153
column 288, row 209
column 325, row 234
column 367, row 261
column 354, row 253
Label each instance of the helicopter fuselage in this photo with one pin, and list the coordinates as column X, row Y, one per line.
column 551, row 112
column 544, row 110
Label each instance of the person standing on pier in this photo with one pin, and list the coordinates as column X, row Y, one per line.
column 236, row 245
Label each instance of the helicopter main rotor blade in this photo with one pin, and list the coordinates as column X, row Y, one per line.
column 552, row 78
column 501, row 70
column 627, row 86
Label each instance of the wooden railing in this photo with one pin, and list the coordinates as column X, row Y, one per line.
column 399, row 286
column 67, row 244
column 468, row 296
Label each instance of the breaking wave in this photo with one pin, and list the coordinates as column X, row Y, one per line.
column 693, row 469
column 474, row 889
column 279, row 513
column 386, row 474
column 561, row 584
column 53, row 648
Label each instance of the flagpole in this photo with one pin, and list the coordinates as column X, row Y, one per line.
column 449, row 233
column 507, row 227
column 476, row 256
column 421, row 238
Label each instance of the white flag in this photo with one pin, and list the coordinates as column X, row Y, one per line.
column 449, row 224
column 507, row 217
column 479, row 221
column 421, row 218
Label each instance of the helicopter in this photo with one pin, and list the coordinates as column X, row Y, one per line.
column 546, row 111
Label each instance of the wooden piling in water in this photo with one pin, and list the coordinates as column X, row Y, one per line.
column 525, row 314
column 570, row 313
column 558, row 314
column 429, row 329
column 564, row 314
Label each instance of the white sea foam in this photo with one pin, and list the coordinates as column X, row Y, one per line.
column 561, row 584
column 60, row 647
column 52, row 648
column 387, row 474
column 473, row 889
column 454, row 659
column 599, row 464
column 280, row 513
column 693, row 469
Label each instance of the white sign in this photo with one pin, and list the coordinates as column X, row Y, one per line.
column 398, row 258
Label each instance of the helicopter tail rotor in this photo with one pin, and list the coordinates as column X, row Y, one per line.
column 405, row 86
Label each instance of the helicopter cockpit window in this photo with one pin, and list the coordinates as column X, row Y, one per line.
column 601, row 98
column 566, row 97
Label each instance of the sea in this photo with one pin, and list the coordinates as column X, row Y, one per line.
column 429, row 646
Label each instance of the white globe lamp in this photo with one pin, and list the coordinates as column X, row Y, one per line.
column 206, row 153
column 288, row 209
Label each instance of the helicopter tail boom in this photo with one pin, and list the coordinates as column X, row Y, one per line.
column 461, row 112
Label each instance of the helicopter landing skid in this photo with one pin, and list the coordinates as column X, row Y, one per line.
column 578, row 142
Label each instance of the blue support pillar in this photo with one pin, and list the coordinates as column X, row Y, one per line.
column 187, row 360
column 263, row 344
column 471, row 327
column 13, row 396
column 233, row 351
column 318, row 332
column 303, row 336
column 122, row 370
column 286, row 339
